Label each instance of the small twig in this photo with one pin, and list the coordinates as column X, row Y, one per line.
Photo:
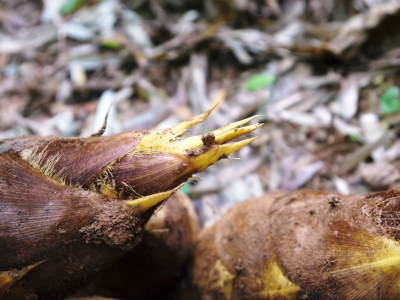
column 361, row 154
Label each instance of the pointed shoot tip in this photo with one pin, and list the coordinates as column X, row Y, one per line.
column 182, row 127
column 230, row 135
column 144, row 203
column 214, row 154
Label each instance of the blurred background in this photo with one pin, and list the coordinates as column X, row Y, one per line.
column 323, row 75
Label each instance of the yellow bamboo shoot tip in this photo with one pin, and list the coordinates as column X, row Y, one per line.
column 234, row 125
column 182, row 127
column 235, row 133
column 168, row 140
column 147, row 202
column 214, row 154
column 8, row 278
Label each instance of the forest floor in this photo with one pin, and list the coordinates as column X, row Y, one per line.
column 322, row 75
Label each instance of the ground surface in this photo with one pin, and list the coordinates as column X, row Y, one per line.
column 323, row 75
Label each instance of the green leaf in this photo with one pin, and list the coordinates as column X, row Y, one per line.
column 259, row 81
column 187, row 188
column 71, row 6
column 111, row 44
column 355, row 138
column 390, row 100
